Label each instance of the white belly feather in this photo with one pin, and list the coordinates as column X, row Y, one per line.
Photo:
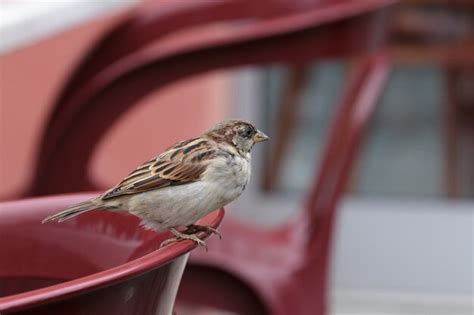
column 173, row 206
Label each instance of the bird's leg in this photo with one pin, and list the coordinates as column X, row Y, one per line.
column 195, row 228
column 178, row 236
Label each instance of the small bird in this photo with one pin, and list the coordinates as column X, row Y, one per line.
column 182, row 184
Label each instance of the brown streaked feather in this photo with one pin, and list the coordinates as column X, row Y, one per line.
column 180, row 164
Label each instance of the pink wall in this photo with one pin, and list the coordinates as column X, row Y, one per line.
column 31, row 77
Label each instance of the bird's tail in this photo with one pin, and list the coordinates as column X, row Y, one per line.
column 74, row 210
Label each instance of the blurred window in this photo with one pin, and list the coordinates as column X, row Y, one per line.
column 405, row 151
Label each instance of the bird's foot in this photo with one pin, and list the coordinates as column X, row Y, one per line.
column 195, row 228
column 179, row 236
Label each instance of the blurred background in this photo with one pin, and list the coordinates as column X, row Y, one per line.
column 404, row 240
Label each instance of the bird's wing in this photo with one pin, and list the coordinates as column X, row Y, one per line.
column 180, row 164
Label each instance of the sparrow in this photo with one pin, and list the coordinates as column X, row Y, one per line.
column 184, row 183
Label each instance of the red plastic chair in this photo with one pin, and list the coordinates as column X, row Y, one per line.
column 98, row 263
column 252, row 271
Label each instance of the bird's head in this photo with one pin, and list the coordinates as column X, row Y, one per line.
column 238, row 133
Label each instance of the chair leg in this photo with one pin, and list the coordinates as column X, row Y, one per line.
column 364, row 85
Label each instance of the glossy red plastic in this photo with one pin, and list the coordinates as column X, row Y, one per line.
column 96, row 263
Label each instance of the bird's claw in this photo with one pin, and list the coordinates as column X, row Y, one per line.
column 181, row 236
column 195, row 228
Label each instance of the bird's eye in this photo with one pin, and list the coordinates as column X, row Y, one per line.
column 247, row 133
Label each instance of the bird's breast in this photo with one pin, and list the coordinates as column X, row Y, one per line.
column 229, row 174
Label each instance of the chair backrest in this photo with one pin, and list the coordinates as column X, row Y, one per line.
column 150, row 24
column 98, row 263
column 153, row 22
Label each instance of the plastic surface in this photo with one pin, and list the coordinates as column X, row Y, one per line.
column 96, row 263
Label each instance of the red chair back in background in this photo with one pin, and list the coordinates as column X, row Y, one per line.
column 98, row 263
column 253, row 270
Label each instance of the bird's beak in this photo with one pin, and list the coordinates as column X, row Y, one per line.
column 259, row 137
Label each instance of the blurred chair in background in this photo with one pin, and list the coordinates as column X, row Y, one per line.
column 253, row 270
column 439, row 32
